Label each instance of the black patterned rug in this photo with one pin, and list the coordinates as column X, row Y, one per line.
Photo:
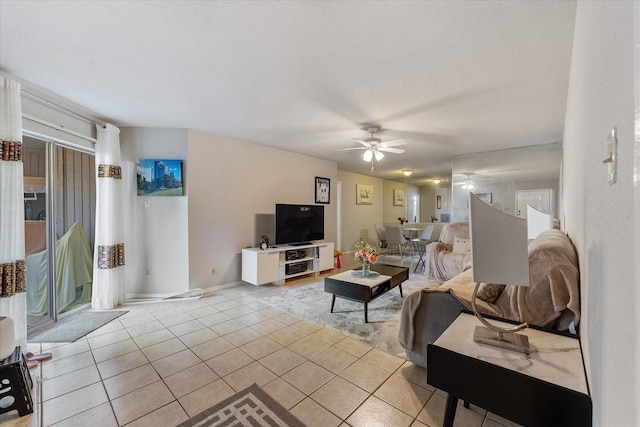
column 250, row 407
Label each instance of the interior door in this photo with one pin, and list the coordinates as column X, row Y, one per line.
column 538, row 199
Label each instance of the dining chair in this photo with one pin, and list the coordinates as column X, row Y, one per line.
column 420, row 246
column 395, row 238
column 426, row 233
column 382, row 236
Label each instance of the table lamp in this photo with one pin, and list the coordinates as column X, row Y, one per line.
column 499, row 255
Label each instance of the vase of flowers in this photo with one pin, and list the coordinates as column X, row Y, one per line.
column 403, row 220
column 366, row 255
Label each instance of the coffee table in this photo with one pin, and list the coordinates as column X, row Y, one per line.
column 348, row 286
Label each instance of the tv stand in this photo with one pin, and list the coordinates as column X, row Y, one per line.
column 300, row 244
column 272, row 265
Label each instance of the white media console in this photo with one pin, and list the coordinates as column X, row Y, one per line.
column 275, row 265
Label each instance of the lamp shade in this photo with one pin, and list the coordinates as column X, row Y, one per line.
column 367, row 156
column 537, row 222
column 499, row 251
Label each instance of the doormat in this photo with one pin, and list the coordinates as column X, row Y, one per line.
column 250, row 407
column 76, row 326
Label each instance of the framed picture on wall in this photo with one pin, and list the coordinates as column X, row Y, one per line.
column 438, row 202
column 159, row 177
column 323, row 189
column 398, row 197
column 364, row 194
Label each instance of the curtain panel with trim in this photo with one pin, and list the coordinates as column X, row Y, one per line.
column 12, row 256
column 108, row 263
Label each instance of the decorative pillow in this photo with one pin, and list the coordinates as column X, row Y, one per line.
column 461, row 246
column 490, row 292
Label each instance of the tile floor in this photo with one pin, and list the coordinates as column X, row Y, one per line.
column 162, row 363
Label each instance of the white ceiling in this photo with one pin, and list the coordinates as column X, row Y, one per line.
column 450, row 77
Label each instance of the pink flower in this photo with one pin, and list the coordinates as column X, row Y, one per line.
column 372, row 259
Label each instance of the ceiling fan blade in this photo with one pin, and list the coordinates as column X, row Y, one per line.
column 352, row 148
column 394, row 142
column 391, row 150
column 363, row 142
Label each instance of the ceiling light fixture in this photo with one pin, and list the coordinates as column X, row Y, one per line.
column 367, row 156
column 436, row 181
column 407, row 172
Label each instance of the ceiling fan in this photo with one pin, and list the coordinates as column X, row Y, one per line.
column 468, row 183
column 374, row 146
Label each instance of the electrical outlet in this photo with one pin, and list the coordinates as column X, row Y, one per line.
column 213, row 271
column 148, row 272
column 147, row 203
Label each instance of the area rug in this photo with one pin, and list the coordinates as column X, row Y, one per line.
column 312, row 303
column 76, row 326
column 251, row 407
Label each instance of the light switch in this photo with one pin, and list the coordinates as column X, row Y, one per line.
column 147, row 203
column 612, row 160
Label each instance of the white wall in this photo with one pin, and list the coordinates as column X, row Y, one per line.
column 229, row 182
column 156, row 237
column 360, row 220
column 503, row 193
column 600, row 217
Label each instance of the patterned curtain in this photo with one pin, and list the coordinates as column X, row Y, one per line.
column 12, row 265
column 108, row 262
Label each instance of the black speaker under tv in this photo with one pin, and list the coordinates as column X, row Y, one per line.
column 298, row 224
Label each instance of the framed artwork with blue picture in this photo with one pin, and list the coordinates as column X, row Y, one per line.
column 156, row 177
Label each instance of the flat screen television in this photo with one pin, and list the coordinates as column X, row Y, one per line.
column 299, row 224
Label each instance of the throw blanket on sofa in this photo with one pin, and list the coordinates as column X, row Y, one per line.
column 553, row 294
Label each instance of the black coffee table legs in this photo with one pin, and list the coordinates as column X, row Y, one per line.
column 366, row 314
column 366, row 305
column 450, row 410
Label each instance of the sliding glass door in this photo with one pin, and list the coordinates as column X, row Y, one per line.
column 59, row 214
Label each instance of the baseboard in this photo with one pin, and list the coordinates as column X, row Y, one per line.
column 159, row 297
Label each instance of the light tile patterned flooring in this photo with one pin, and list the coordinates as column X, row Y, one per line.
column 162, row 363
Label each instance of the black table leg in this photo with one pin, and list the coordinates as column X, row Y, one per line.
column 400, row 287
column 366, row 313
column 450, row 410
column 333, row 301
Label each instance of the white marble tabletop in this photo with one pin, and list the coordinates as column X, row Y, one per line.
column 347, row 276
column 554, row 358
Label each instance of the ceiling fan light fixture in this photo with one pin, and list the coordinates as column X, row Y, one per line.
column 407, row 172
column 378, row 155
column 367, row 156
column 436, row 181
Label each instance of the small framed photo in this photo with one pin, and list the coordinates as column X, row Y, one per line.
column 398, row 197
column 323, row 190
column 364, row 194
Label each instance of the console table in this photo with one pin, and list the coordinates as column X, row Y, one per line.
column 546, row 388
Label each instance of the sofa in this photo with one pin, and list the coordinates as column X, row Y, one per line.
column 450, row 255
column 552, row 299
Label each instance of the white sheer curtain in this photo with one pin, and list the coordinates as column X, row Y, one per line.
column 108, row 259
column 12, row 266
